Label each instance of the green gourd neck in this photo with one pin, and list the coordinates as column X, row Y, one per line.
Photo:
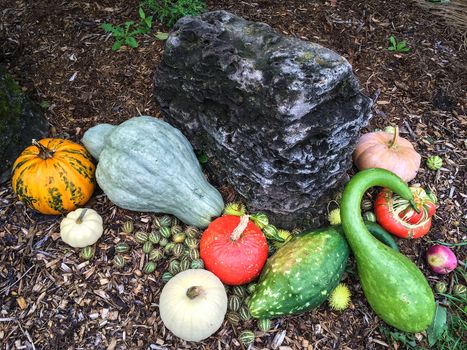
column 358, row 236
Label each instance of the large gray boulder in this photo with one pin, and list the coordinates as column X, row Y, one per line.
column 20, row 121
column 278, row 116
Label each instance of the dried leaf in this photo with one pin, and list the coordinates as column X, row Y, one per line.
column 22, row 303
column 161, row 35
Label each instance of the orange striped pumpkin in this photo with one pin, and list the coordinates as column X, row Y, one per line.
column 54, row 176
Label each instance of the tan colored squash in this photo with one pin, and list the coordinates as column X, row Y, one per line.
column 387, row 151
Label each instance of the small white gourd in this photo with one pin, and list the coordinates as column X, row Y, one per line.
column 81, row 228
column 193, row 304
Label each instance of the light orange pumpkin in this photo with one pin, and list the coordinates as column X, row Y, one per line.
column 388, row 151
column 54, row 176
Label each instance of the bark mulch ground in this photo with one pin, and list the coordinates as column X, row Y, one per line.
column 51, row 299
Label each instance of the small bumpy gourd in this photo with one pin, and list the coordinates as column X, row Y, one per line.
column 147, row 165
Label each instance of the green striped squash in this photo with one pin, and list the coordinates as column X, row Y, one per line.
column 154, row 237
column 246, row 337
column 234, row 303
column 264, row 324
column 166, row 276
column 233, row 318
column 174, row 267
column 122, row 248
column 244, row 313
column 141, row 237
column 178, row 249
column 165, row 232
column 240, row 291
column 148, row 247
column 156, row 255
column 197, row 264
column 119, row 261
column 149, row 267
column 185, row 265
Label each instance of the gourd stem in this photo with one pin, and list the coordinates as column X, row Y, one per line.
column 237, row 232
column 395, row 138
column 80, row 218
column 193, row 292
column 44, row 152
column 414, row 206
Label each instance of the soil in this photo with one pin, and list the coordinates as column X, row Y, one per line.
column 51, row 299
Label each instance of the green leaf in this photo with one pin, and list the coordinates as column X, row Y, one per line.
column 438, row 326
column 116, row 46
column 392, row 40
column 128, row 25
column 107, row 27
column 161, row 35
column 136, row 32
column 118, row 32
column 391, row 48
column 131, row 42
column 148, row 22
column 142, row 15
column 202, row 157
column 45, row 104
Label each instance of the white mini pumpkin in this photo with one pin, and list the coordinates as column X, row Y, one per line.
column 81, row 228
column 193, row 304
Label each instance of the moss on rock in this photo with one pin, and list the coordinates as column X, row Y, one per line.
column 20, row 121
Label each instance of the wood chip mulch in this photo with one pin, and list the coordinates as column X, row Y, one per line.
column 51, row 299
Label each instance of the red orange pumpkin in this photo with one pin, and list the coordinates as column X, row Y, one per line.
column 234, row 249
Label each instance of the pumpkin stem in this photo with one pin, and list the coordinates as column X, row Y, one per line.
column 193, row 292
column 237, row 232
column 395, row 138
column 44, row 152
column 80, row 218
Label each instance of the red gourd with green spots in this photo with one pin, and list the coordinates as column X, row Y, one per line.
column 54, row 176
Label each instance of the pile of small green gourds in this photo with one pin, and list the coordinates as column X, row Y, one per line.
column 166, row 240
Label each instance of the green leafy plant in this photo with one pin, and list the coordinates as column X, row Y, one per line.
column 397, row 46
column 449, row 328
column 126, row 34
column 170, row 11
column 394, row 336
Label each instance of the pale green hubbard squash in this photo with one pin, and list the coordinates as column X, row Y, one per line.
column 147, row 165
